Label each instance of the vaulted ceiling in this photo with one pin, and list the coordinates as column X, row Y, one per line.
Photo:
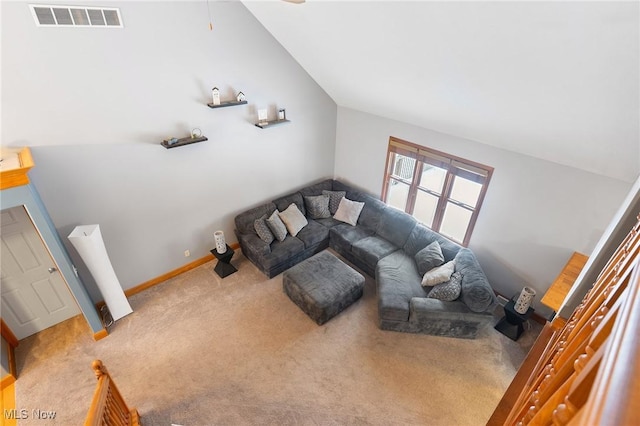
column 554, row 80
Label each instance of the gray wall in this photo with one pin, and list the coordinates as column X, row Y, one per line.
column 94, row 104
column 623, row 221
column 535, row 214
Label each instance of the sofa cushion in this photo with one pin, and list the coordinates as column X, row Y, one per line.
column 372, row 249
column 395, row 225
column 293, row 219
column 245, row 222
column 448, row 291
column 283, row 202
column 429, row 257
column 334, row 199
column 451, row 319
column 313, row 234
column 262, row 229
column 373, row 207
column 344, row 235
column 282, row 251
column 371, row 212
column 317, row 188
column 348, row 211
column 421, row 236
column 398, row 282
column 328, row 222
column 439, row 274
column 317, row 206
column 277, row 226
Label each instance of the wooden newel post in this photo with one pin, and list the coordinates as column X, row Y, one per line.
column 99, row 369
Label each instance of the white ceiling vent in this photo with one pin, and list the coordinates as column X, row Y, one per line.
column 75, row 16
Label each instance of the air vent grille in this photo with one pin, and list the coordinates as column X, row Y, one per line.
column 75, row 16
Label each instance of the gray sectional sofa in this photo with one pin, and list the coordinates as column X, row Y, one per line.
column 383, row 244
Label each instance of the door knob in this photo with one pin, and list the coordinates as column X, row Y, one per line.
column 52, row 270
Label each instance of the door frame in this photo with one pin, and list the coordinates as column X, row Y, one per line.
column 12, row 343
column 27, row 196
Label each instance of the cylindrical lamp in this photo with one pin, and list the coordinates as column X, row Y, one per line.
column 87, row 240
column 523, row 302
column 221, row 244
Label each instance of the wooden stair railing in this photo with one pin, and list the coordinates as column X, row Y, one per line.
column 108, row 407
column 586, row 371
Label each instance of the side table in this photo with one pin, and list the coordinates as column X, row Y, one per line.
column 224, row 267
column 511, row 325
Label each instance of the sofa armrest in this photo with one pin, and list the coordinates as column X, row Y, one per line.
column 476, row 291
column 253, row 244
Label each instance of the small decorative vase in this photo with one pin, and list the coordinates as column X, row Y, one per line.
column 524, row 300
column 221, row 244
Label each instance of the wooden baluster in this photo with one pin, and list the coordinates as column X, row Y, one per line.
column 559, row 387
column 563, row 366
column 108, row 407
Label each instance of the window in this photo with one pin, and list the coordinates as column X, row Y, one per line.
column 440, row 190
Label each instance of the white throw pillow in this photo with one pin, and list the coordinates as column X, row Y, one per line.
column 348, row 211
column 293, row 219
column 439, row 274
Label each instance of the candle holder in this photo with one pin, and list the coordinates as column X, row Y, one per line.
column 524, row 300
column 221, row 244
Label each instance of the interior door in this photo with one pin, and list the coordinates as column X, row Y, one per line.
column 35, row 296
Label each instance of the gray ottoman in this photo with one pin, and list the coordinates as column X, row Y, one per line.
column 322, row 286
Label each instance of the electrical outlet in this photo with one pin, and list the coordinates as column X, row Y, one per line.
column 187, row 253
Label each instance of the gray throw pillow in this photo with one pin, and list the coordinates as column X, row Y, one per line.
column 262, row 229
column 449, row 290
column 429, row 257
column 277, row 226
column 317, row 206
column 334, row 199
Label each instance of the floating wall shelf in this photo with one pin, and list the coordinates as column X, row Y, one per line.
column 227, row 104
column 266, row 124
column 184, row 141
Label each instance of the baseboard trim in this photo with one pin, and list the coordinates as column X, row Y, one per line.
column 164, row 277
column 181, row 270
column 100, row 334
column 8, row 396
column 6, row 381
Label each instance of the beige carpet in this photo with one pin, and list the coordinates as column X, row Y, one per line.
column 200, row 350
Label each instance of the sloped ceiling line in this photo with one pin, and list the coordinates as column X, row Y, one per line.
column 555, row 80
